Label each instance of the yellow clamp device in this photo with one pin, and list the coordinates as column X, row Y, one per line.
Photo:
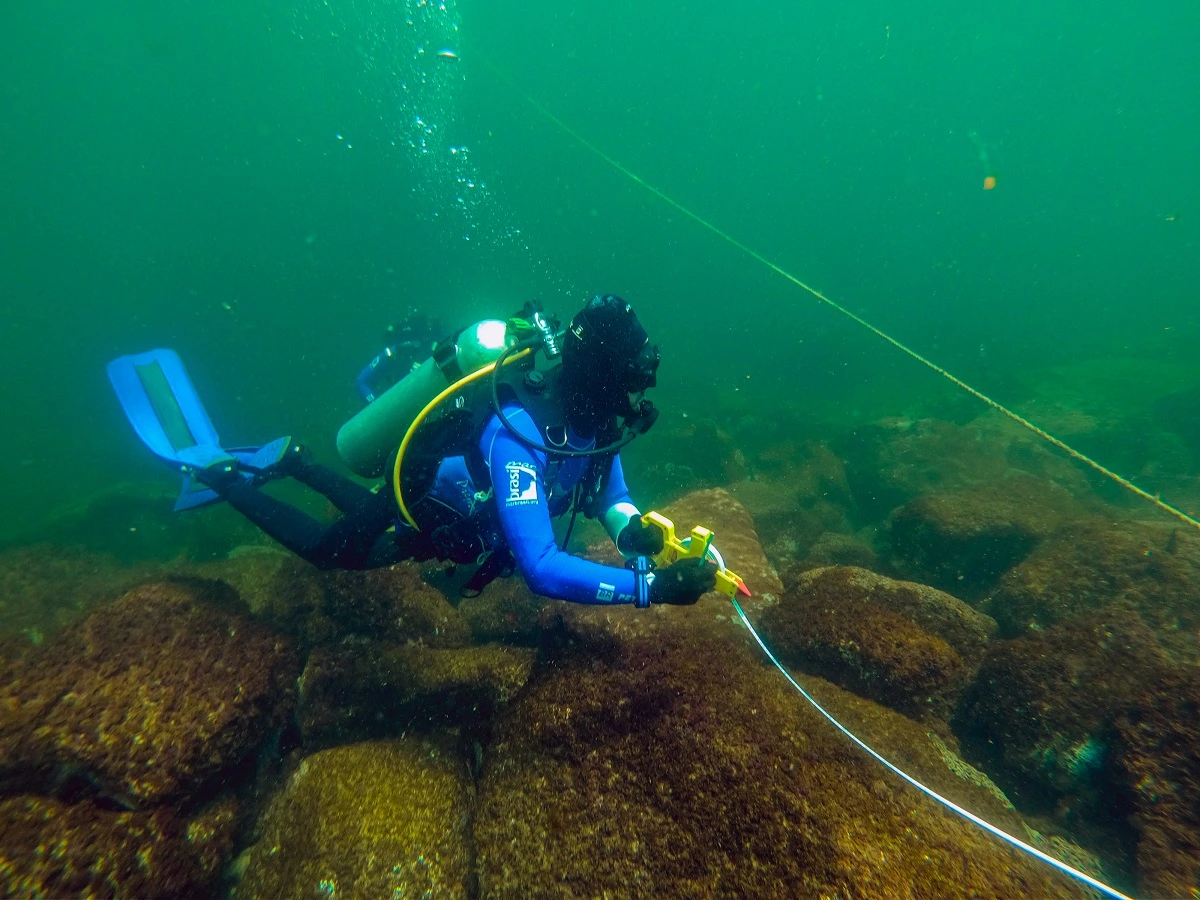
column 697, row 546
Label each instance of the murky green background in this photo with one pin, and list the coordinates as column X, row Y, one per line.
column 236, row 181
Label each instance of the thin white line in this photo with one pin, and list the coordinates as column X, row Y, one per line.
column 930, row 792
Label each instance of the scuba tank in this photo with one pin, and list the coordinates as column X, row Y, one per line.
column 367, row 440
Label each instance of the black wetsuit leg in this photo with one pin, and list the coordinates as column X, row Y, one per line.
column 358, row 539
column 344, row 493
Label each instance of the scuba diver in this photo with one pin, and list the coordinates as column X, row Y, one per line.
column 479, row 484
column 409, row 341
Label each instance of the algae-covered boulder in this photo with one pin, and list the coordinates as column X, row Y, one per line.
column 505, row 612
column 899, row 643
column 898, row 460
column 1150, row 567
column 393, row 603
column 358, row 690
column 148, row 698
column 787, row 527
column 818, row 475
column 797, row 494
column 45, row 587
column 963, row 541
column 1040, row 712
column 686, row 455
column 51, row 849
column 961, row 626
column 676, row 765
column 1158, row 760
column 135, row 523
column 370, row 820
column 280, row 589
column 836, row 549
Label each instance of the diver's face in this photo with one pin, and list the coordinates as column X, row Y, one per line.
column 642, row 371
column 641, row 374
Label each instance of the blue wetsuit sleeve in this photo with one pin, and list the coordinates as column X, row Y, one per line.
column 518, row 478
column 615, row 491
column 616, row 506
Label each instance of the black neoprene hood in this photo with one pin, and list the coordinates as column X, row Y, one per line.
column 607, row 343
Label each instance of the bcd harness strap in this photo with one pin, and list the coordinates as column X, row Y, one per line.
column 466, row 539
column 445, row 357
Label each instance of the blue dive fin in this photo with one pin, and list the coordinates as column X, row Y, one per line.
column 165, row 411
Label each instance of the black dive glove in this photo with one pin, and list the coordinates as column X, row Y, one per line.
column 638, row 539
column 683, row 583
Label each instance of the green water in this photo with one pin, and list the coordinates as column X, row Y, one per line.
column 234, row 180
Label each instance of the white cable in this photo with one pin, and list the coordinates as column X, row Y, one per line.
column 929, row 792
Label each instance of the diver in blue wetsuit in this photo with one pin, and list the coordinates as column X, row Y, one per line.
column 408, row 342
column 488, row 484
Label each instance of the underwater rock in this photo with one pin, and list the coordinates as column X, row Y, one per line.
column 148, row 698
column 505, row 612
column 677, row 765
column 1150, row 567
column 691, row 455
column 281, row 590
column 835, row 549
column 813, row 472
column 135, row 523
column 898, row 643
column 360, row 690
column 370, row 820
column 797, row 493
column 1158, row 759
column 788, row 526
column 12, row 650
column 1179, row 412
column 45, row 587
column 961, row 626
column 1040, row 711
column 897, row 461
column 393, row 604
column 964, row 541
column 1125, row 410
column 51, row 849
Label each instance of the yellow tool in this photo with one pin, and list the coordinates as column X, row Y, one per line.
column 698, row 546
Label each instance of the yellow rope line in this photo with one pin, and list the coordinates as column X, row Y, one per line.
column 774, row 267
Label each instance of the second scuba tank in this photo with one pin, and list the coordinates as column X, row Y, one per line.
column 367, row 440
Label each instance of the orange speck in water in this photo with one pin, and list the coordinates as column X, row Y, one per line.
column 989, row 182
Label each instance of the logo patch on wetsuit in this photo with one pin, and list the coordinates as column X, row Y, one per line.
column 522, row 484
column 605, row 592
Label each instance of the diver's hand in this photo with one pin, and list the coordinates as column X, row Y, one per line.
column 639, row 539
column 684, row 582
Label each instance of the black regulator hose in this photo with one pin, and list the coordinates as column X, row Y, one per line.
column 534, row 343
